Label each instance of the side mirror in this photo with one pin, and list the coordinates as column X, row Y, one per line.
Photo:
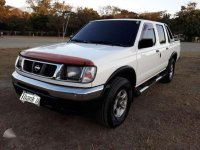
column 145, row 43
column 71, row 36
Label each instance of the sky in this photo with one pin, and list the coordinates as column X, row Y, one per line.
column 138, row 6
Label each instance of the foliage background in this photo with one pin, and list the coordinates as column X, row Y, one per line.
column 46, row 18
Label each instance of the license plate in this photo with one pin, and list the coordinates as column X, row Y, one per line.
column 30, row 98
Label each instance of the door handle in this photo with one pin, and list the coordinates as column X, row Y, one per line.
column 157, row 51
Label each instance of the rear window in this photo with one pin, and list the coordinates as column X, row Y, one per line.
column 161, row 34
column 115, row 32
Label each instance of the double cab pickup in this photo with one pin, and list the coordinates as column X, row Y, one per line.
column 107, row 60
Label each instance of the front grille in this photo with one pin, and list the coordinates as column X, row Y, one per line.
column 39, row 68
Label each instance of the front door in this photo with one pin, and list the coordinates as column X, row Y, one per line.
column 148, row 57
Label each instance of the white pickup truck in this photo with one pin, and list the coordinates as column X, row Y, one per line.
column 107, row 60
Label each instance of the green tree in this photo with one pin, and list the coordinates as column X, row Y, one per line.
column 40, row 16
column 155, row 16
column 166, row 18
column 56, row 17
column 84, row 15
column 58, row 8
column 126, row 14
column 188, row 21
column 39, row 24
column 40, row 7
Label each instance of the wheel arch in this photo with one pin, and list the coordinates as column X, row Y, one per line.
column 174, row 55
column 126, row 72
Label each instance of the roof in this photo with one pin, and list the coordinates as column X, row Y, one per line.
column 125, row 19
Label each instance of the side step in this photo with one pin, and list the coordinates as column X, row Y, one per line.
column 142, row 88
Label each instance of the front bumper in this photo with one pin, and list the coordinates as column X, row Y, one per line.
column 55, row 91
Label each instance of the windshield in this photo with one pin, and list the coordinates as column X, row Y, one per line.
column 116, row 33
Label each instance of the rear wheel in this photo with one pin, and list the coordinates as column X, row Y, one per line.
column 116, row 103
column 169, row 72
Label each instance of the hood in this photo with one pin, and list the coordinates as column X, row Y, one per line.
column 72, row 53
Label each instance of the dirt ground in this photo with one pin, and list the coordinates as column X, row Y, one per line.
column 28, row 41
column 167, row 116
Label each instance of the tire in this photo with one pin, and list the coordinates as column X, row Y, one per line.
column 169, row 72
column 116, row 103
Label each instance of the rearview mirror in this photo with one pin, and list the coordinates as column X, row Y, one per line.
column 145, row 43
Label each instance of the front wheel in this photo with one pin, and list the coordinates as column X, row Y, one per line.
column 116, row 103
column 169, row 72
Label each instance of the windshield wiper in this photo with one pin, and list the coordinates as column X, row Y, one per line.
column 78, row 41
column 98, row 42
column 107, row 43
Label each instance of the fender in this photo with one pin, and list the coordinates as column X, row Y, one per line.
column 125, row 71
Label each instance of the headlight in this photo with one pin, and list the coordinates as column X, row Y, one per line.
column 78, row 74
column 18, row 62
column 73, row 73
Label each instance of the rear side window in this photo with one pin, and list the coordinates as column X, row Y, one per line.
column 148, row 32
column 161, row 34
column 169, row 34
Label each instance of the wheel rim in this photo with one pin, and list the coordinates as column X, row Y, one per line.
column 171, row 71
column 120, row 104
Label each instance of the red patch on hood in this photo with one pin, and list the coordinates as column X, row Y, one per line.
column 56, row 58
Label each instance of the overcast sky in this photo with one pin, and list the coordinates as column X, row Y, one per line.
column 138, row 6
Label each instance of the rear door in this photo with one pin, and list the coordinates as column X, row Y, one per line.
column 164, row 46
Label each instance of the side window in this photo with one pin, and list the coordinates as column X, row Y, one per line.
column 161, row 34
column 148, row 38
column 169, row 34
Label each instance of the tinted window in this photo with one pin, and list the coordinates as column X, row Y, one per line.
column 169, row 33
column 121, row 33
column 161, row 34
column 148, row 33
